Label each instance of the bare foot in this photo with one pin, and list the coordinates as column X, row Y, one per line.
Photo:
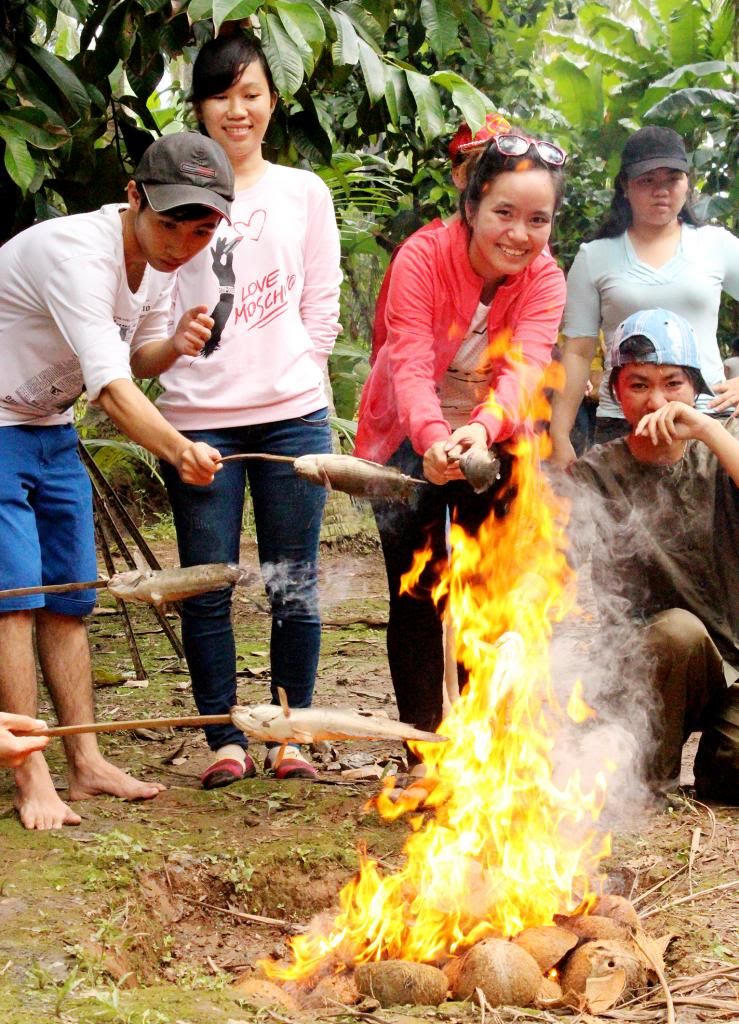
column 36, row 800
column 97, row 776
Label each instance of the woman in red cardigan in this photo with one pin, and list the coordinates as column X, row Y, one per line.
column 472, row 315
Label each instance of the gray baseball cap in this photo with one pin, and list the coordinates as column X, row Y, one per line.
column 672, row 338
column 651, row 148
column 186, row 169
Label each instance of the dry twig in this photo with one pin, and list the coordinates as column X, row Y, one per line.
column 242, row 915
column 694, row 848
column 692, row 896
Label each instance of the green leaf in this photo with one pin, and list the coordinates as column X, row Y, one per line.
column 722, row 30
column 33, row 127
column 19, row 163
column 283, row 57
column 306, row 21
column 479, row 37
column 688, row 33
column 78, row 9
column 692, row 71
column 686, row 101
column 310, row 139
column 580, row 101
column 373, row 71
column 346, row 48
column 441, row 26
column 364, row 23
column 7, row 58
column 294, row 28
column 473, row 104
column 199, row 10
column 62, row 76
column 428, row 105
column 227, row 10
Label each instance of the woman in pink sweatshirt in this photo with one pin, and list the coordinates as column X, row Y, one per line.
column 271, row 283
column 472, row 316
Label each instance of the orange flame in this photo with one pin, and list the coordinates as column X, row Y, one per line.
column 506, row 846
column 577, row 709
column 409, row 579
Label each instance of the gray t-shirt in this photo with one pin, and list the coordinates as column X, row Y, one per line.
column 664, row 536
column 608, row 282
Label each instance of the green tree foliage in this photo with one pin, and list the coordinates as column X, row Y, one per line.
column 371, row 91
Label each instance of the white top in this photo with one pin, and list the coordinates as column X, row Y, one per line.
column 466, row 383
column 607, row 282
column 279, row 300
column 68, row 317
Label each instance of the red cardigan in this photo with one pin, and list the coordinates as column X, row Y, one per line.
column 434, row 293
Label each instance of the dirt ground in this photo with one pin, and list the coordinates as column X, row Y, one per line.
column 146, row 913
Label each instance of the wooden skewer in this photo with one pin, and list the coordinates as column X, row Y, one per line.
column 258, row 455
column 141, row 723
column 54, row 588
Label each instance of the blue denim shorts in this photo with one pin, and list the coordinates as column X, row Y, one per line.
column 47, row 533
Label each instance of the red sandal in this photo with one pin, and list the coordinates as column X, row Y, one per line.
column 226, row 771
column 289, row 767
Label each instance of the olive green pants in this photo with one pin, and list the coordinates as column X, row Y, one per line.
column 698, row 692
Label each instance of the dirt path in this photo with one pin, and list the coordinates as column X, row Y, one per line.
column 139, row 915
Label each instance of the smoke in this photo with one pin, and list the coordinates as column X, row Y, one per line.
column 604, row 646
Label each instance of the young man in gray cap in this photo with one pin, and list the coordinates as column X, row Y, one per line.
column 666, row 550
column 76, row 293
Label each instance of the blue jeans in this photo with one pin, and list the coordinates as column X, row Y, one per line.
column 287, row 514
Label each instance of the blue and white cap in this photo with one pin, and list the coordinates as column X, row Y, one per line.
column 672, row 338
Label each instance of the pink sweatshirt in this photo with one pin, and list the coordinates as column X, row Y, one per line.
column 433, row 295
column 276, row 292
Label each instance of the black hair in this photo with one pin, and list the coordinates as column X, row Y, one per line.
column 181, row 214
column 492, row 163
column 734, row 345
column 220, row 63
column 620, row 216
column 641, row 350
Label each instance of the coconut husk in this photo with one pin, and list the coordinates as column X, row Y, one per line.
column 618, row 908
column 262, row 993
column 338, row 988
column 593, row 926
column 505, row 973
column 601, row 959
column 546, row 943
column 399, row 982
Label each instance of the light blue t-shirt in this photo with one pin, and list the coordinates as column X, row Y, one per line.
column 608, row 282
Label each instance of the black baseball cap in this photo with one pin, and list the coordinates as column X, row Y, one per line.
column 653, row 147
column 186, row 169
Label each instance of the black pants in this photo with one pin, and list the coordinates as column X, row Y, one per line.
column 415, row 633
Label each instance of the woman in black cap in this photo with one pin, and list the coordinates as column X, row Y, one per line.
column 651, row 251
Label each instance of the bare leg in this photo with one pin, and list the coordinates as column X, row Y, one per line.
column 36, row 800
column 64, row 654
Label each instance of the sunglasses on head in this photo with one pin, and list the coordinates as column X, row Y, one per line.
column 509, row 144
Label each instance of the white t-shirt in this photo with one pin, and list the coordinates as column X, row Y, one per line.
column 279, row 300
column 68, row 317
column 608, row 282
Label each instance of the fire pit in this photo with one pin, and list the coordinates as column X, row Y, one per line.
column 497, row 895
